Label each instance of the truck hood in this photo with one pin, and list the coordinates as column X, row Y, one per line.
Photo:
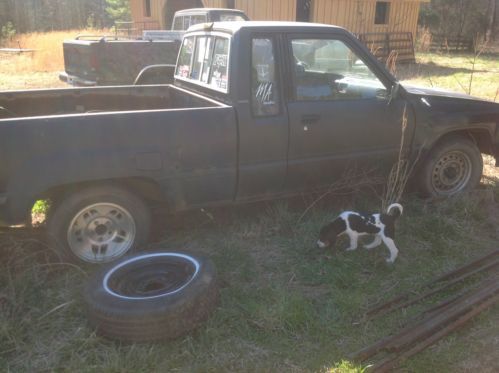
column 438, row 92
column 448, row 111
column 440, row 100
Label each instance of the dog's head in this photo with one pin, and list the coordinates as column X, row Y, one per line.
column 329, row 233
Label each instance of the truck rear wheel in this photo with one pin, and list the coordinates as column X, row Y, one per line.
column 98, row 224
column 453, row 166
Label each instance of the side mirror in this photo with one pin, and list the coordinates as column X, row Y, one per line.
column 394, row 93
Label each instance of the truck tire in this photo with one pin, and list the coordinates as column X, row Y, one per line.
column 98, row 224
column 152, row 296
column 455, row 165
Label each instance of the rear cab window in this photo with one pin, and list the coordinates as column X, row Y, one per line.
column 182, row 23
column 204, row 60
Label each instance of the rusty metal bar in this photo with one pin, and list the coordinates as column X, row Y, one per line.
column 442, row 312
column 429, row 325
column 440, row 306
column 446, row 286
column 394, row 304
column 465, row 268
column 391, row 363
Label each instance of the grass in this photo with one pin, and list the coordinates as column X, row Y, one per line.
column 285, row 305
column 40, row 68
column 454, row 72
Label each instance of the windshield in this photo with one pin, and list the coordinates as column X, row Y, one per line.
column 231, row 18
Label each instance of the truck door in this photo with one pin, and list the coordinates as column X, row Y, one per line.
column 263, row 120
column 342, row 122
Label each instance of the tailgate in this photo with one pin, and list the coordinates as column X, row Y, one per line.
column 81, row 59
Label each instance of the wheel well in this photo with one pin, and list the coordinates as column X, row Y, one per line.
column 480, row 137
column 147, row 189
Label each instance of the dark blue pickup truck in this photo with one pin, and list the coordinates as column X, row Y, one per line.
column 258, row 110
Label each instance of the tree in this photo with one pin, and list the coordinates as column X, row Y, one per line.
column 45, row 15
column 459, row 18
column 119, row 10
column 492, row 19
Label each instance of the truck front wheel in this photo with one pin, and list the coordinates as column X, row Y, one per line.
column 453, row 166
column 98, row 224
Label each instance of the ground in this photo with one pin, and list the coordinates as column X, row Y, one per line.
column 285, row 305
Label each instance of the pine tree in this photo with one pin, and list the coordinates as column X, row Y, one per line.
column 118, row 10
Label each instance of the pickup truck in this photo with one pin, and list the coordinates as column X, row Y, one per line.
column 258, row 110
column 102, row 60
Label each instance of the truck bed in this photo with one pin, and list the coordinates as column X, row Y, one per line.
column 185, row 143
column 18, row 104
column 114, row 62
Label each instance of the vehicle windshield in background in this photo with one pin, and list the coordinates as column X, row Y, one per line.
column 231, row 18
column 182, row 23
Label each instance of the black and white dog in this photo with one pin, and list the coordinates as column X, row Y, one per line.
column 355, row 225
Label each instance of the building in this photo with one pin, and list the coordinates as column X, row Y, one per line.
column 384, row 26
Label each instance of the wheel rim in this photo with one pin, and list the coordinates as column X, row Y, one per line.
column 451, row 173
column 101, row 232
column 151, row 276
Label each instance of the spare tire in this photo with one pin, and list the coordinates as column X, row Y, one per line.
column 151, row 296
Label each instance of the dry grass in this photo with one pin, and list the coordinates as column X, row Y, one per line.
column 40, row 68
column 48, row 55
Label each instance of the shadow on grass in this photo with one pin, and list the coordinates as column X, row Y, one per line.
column 430, row 69
column 435, row 70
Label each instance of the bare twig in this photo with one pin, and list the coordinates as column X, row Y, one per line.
column 401, row 170
column 473, row 62
column 352, row 180
column 391, row 62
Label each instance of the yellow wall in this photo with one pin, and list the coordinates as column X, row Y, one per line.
column 138, row 11
column 263, row 10
column 358, row 15
column 355, row 15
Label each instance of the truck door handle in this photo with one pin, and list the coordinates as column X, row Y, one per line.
column 310, row 118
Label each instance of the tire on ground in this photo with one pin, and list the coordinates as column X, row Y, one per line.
column 455, row 165
column 98, row 224
column 151, row 296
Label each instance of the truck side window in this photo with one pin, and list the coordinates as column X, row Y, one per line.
column 199, row 56
column 264, row 85
column 185, row 58
column 326, row 69
column 219, row 75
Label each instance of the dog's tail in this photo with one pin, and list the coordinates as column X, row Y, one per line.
column 395, row 206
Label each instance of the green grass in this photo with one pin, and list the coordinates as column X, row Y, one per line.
column 455, row 72
column 285, row 305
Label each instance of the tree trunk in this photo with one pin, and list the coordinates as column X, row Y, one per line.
column 491, row 20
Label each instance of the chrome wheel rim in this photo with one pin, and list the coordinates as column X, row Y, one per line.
column 451, row 173
column 151, row 276
column 101, row 232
